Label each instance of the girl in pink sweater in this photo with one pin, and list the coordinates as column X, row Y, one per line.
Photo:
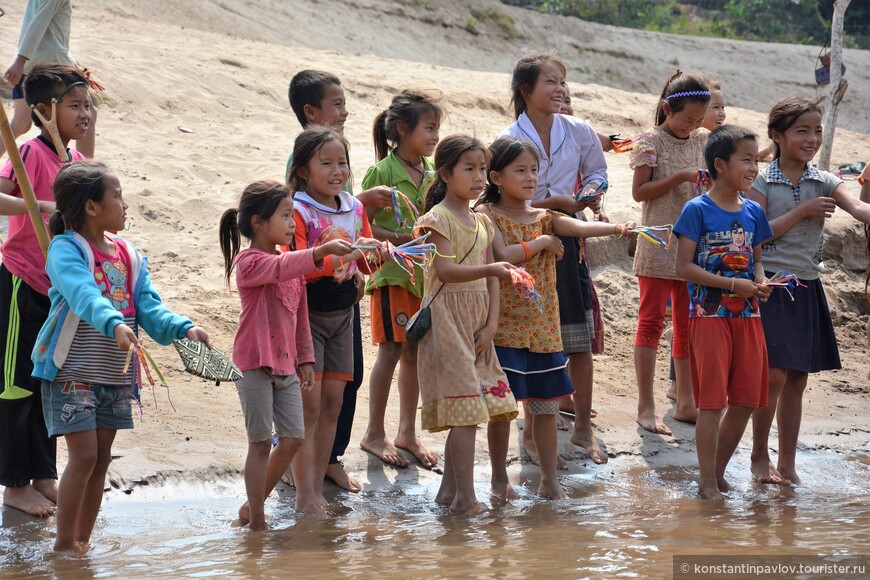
column 273, row 346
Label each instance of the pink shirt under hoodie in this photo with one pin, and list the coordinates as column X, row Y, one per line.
column 273, row 325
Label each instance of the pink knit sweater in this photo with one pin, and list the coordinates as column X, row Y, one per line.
column 273, row 325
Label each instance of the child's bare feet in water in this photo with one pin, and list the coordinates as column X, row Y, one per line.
column 340, row 477
column 724, row 486
column 245, row 513
column 312, row 507
column 257, row 524
column 709, row 491
column 789, row 474
column 474, row 508
column 503, row 489
column 763, row 471
column 551, row 490
column 588, row 442
column 649, row 422
column 384, row 450
column 427, row 458
column 27, row 499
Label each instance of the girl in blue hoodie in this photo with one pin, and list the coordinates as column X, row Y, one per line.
column 101, row 294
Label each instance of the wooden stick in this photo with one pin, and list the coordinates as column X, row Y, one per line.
column 51, row 127
column 24, row 183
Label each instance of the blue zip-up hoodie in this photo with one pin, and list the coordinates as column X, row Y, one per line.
column 74, row 296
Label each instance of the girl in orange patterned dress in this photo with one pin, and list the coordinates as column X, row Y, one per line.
column 528, row 341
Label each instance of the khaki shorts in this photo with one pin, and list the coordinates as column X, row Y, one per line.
column 269, row 400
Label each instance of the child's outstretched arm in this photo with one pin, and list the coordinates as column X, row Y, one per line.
column 565, row 203
column 856, row 207
column 450, row 272
column 517, row 253
column 11, row 205
column 644, row 188
column 820, row 207
column 568, row 226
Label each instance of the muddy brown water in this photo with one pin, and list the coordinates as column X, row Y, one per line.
column 625, row 519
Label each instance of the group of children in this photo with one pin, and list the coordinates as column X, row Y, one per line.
column 491, row 219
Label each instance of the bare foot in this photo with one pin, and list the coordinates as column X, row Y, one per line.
column 687, row 415
column 341, row 478
column 593, row 413
column 724, row 486
column 562, row 424
column 552, row 491
column 287, row 478
column 444, row 497
column 30, row 501
column 311, row 507
column 475, row 508
column 258, row 524
column 709, row 492
column 385, row 451
column 764, row 472
column 789, row 474
column 561, row 464
column 47, row 487
column 649, row 422
column 245, row 513
column 588, row 442
column 504, row 491
column 672, row 391
column 428, row 459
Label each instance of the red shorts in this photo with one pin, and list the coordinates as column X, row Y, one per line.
column 391, row 308
column 654, row 293
column 728, row 359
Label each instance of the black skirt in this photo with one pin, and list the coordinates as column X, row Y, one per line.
column 799, row 333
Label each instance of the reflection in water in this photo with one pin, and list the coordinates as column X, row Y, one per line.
column 620, row 521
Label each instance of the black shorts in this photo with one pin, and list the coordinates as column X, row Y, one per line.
column 26, row 452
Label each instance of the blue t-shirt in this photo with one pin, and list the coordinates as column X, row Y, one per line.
column 725, row 247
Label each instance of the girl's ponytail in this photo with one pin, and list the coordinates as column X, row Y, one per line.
column 259, row 199
column 230, row 238
column 56, row 224
column 402, row 117
column 436, row 193
column 379, row 135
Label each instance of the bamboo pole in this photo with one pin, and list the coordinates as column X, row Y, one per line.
column 830, row 121
column 24, row 183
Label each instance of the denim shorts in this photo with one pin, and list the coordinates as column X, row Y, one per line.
column 71, row 407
